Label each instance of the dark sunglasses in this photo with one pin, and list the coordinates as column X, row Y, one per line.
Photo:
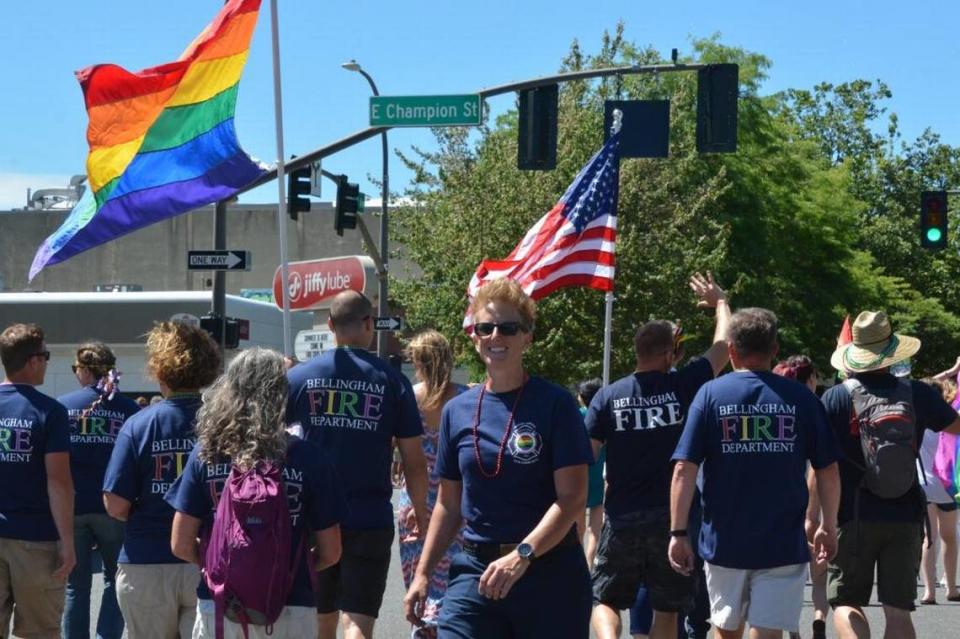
column 44, row 354
column 485, row 329
column 75, row 367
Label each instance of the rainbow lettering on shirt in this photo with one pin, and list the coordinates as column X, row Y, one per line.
column 345, row 403
column 16, row 444
column 757, row 428
column 169, row 458
column 98, row 427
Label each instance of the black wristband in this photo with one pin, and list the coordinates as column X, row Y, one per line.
column 679, row 533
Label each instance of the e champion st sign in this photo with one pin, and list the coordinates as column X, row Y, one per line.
column 425, row 110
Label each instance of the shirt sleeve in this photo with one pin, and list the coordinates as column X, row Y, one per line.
column 693, row 376
column 327, row 505
column 597, row 419
column 837, row 404
column 692, row 446
column 448, row 463
column 933, row 412
column 58, row 430
column 570, row 445
column 408, row 422
column 822, row 448
column 121, row 477
column 189, row 493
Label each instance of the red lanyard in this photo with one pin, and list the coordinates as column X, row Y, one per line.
column 503, row 440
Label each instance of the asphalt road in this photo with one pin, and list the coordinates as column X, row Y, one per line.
column 932, row 622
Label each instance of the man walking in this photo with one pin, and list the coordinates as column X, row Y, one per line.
column 753, row 431
column 354, row 405
column 36, row 503
column 640, row 419
column 879, row 421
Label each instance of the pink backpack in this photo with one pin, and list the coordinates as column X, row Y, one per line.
column 246, row 553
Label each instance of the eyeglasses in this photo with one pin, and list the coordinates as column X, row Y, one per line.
column 485, row 329
column 44, row 354
column 75, row 367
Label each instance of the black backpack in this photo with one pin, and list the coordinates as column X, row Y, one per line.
column 887, row 424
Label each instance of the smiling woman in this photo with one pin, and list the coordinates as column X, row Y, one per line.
column 512, row 459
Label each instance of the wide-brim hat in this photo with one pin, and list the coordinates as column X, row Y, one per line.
column 874, row 345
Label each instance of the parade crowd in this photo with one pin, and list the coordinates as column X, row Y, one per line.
column 256, row 501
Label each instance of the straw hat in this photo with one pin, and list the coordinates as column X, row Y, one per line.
column 874, row 345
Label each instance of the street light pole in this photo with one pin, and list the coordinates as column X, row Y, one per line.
column 382, row 309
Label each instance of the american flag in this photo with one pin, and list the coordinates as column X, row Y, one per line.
column 574, row 243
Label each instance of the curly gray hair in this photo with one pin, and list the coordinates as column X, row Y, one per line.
column 243, row 411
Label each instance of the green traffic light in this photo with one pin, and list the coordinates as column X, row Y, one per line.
column 934, row 235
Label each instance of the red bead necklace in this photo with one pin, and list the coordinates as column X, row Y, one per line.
column 503, row 440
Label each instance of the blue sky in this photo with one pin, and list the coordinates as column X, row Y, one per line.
column 418, row 47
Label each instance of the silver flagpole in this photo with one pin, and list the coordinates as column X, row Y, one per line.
column 608, row 298
column 281, row 186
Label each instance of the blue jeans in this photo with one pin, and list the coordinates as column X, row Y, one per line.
column 107, row 534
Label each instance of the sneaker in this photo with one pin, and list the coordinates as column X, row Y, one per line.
column 819, row 629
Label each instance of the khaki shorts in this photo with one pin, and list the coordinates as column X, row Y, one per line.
column 158, row 601
column 770, row 598
column 889, row 549
column 294, row 621
column 26, row 577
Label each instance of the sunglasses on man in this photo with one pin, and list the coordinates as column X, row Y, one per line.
column 485, row 329
column 44, row 354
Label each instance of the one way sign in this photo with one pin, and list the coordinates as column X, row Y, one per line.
column 388, row 323
column 218, row 260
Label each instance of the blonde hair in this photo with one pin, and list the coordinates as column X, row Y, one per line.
column 243, row 412
column 509, row 292
column 432, row 357
column 182, row 356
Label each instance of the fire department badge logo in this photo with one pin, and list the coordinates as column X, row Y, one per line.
column 525, row 443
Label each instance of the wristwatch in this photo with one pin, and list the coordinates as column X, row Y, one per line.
column 681, row 532
column 525, row 551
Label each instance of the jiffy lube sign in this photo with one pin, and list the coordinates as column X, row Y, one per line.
column 313, row 284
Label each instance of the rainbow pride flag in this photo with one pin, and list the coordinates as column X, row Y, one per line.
column 945, row 466
column 162, row 141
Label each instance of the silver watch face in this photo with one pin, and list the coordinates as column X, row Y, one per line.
column 525, row 551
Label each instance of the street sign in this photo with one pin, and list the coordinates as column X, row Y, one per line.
column 218, row 260
column 425, row 110
column 313, row 284
column 388, row 323
column 316, row 179
column 311, row 343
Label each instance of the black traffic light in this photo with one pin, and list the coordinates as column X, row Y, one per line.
column 213, row 324
column 537, row 139
column 349, row 203
column 718, row 87
column 298, row 186
column 933, row 219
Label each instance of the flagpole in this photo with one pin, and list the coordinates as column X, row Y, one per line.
column 608, row 298
column 281, row 185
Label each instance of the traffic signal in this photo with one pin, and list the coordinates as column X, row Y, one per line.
column 933, row 219
column 349, row 203
column 718, row 88
column 537, row 138
column 298, row 187
column 213, row 325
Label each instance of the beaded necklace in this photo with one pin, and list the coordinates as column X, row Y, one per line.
column 503, row 440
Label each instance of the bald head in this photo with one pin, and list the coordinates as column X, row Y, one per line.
column 348, row 310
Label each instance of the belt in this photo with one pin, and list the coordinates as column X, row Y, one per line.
column 487, row 552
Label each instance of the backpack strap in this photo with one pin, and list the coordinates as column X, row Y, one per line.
column 219, row 608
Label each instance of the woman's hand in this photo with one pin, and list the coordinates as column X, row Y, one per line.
column 415, row 598
column 500, row 575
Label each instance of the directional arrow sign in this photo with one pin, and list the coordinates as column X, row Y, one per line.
column 218, row 260
column 388, row 323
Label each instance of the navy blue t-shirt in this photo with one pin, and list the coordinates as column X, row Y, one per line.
column 313, row 496
column 753, row 433
column 150, row 453
column 932, row 413
column 352, row 403
column 547, row 434
column 91, row 442
column 31, row 425
column 640, row 418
